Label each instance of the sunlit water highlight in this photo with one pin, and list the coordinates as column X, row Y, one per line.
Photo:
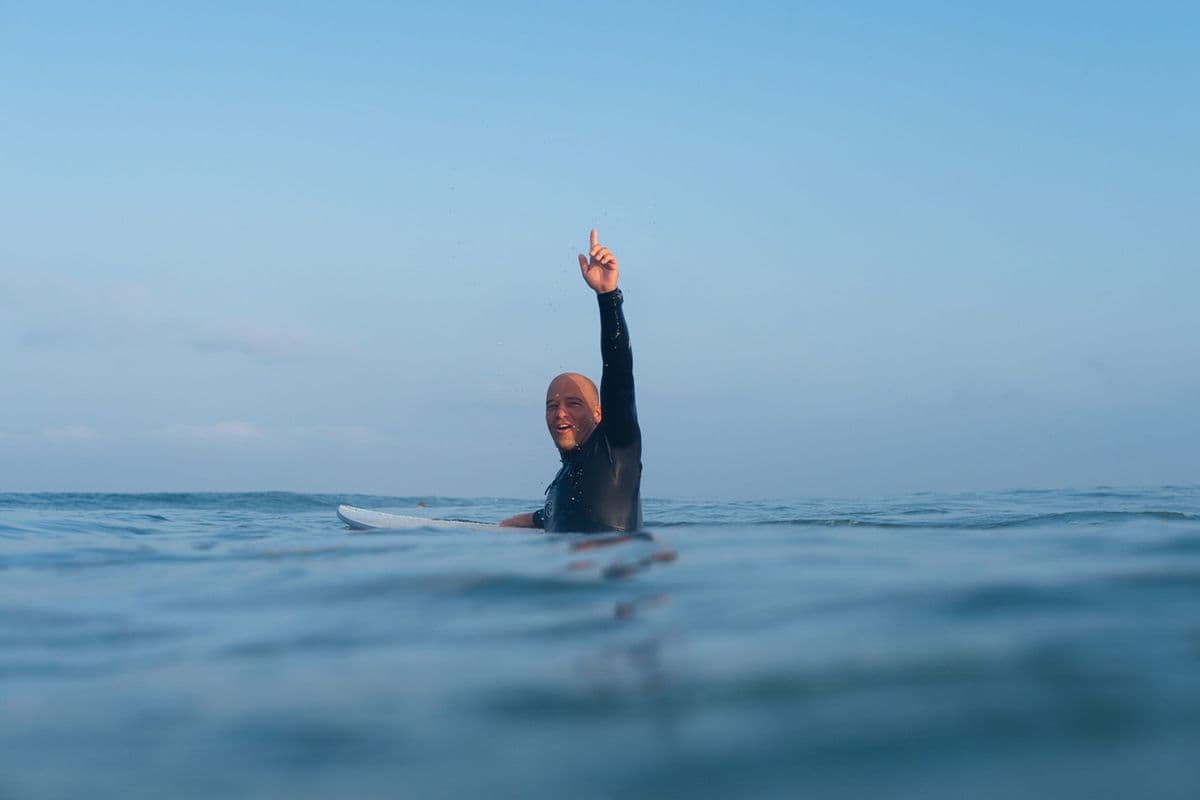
column 1020, row 644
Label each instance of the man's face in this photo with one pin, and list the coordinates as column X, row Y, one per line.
column 572, row 411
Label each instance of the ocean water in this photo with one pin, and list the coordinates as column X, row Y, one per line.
column 1033, row 644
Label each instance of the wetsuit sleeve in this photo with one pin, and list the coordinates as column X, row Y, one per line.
column 539, row 518
column 617, row 403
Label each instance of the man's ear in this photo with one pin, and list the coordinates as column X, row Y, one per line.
column 596, row 414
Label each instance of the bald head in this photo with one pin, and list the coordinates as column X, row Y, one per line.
column 572, row 410
column 575, row 383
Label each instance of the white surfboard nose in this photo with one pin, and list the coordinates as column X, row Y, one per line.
column 363, row 519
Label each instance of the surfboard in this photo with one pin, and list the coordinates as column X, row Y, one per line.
column 609, row 555
column 363, row 519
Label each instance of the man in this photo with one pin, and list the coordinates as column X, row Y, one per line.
column 598, row 487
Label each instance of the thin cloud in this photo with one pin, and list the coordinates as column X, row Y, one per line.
column 126, row 301
column 261, row 341
column 71, row 433
column 128, row 312
column 234, row 430
column 47, row 337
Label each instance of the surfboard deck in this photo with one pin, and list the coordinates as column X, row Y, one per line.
column 364, row 519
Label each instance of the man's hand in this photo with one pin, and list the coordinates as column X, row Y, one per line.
column 600, row 270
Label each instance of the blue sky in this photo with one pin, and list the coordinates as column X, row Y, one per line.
column 866, row 247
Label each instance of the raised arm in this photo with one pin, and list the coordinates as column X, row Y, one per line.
column 617, row 403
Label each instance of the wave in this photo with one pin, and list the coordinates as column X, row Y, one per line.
column 146, row 512
column 266, row 501
column 988, row 522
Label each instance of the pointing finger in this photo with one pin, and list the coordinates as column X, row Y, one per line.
column 595, row 240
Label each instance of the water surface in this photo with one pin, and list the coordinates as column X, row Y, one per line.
column 1019, row 644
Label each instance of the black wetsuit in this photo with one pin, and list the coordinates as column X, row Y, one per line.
column 599, row 485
